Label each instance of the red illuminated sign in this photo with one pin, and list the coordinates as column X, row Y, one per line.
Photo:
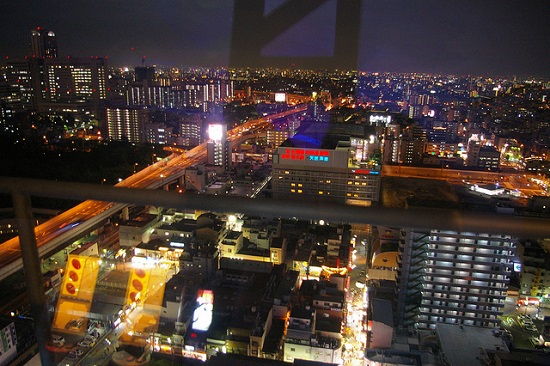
column 365, row 171
column 303, row 154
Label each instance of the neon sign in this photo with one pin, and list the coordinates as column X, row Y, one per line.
column 365, row 171
column 306, row 154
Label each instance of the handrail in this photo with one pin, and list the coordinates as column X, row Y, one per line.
column 420, row 219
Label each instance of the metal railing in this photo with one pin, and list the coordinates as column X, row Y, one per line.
column 421, row 219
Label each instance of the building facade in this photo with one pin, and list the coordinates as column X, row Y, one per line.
column 454, row 278
column 328, row 174
column 126, row 123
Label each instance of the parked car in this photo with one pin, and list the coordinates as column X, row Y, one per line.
column 535, row 341
column 90, row 337
column 96, row 326
column 86, row 343
column 77, row 352
column 75, row 324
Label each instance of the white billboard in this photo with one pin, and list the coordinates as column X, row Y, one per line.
column 280, row 97
column 202, row 316
column 215, row 132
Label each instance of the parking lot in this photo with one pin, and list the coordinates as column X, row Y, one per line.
column 523, row 327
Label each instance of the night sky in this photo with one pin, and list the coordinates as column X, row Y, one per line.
column 489, row 37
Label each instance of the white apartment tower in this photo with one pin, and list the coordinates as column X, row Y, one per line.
column 454, row 278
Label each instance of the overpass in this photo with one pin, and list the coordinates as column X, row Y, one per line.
column 54, row 233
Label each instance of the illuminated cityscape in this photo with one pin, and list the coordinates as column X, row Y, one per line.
column 271, row 214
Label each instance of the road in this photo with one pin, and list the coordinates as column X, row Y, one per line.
column 152, row 177
column 510, row 179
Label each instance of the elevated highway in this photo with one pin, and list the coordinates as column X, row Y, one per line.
column 54, row 233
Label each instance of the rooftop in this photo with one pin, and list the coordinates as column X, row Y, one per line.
column 466, row 345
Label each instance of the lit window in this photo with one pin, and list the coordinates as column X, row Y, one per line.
column 299, row 191
column 292, row 184
column 287, row 172
column 320, row 192
column 293, row 190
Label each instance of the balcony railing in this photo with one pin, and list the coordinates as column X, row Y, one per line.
column 420, row 219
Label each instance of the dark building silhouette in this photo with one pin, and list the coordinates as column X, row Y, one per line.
column 43, row 43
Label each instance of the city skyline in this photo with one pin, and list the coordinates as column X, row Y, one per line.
column 490, row 38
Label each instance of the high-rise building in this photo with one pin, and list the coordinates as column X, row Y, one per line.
column 20, row 81
column 126, row 123
column 157, row 133
column 451, row 277
column 58, row 84
column 176, row 94
column 405, row 149
column 218, row 152
column 326, row 174
column 191, row 127
column 43, row 43
column 72, row 82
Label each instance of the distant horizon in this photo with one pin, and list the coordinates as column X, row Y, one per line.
column 488, row 39
column 164, row 66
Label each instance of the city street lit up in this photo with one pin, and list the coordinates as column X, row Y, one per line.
column 275, row 183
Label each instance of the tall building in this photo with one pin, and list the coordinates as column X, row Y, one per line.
column 405, row 149
column 43, row 43
column 157, row 133
column 126, row 123
column 165, row 93
column 58, row 85
column 218, row 152
column 70, row 83
column 326, row 173
column 19, row 78
column 191, row 128
column 451, row 277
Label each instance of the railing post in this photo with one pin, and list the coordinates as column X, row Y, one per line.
column 33, row 274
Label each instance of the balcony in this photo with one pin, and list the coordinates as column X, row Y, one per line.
column 21, row 191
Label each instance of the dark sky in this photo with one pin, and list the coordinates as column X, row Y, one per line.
column 488, row 37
